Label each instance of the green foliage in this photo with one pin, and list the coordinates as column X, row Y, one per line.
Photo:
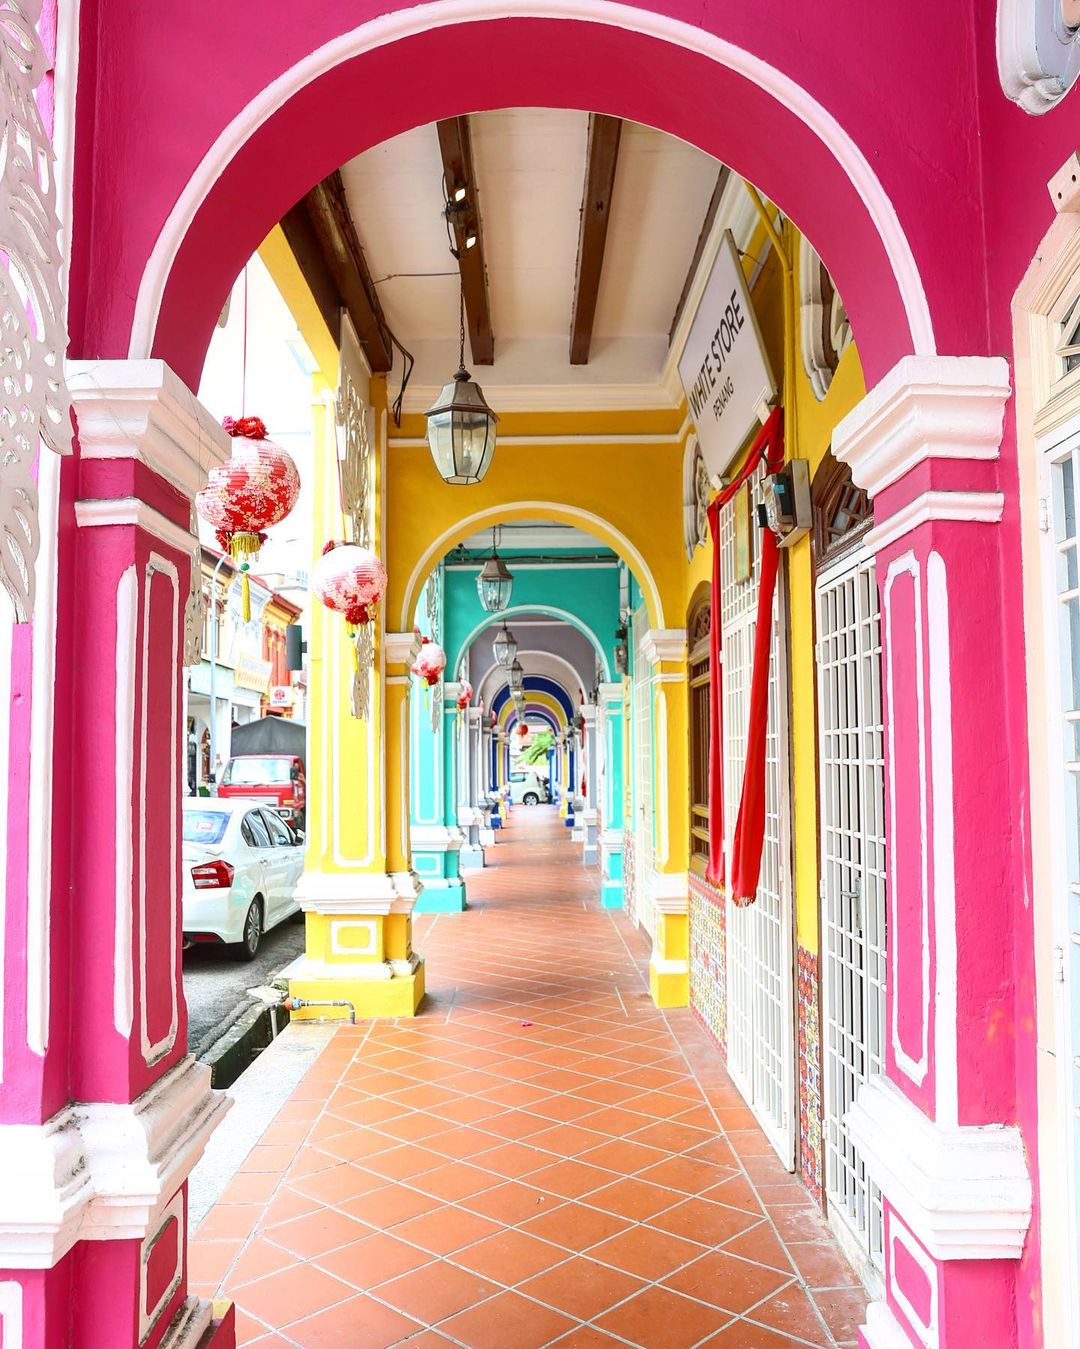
column 543, row 742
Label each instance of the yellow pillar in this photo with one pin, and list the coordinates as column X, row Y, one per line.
column 669, row 964
column 357, row 890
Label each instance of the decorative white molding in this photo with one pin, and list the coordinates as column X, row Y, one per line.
column 981, row 508
column 173, row 1215
column 132, row 512
column 370, row 892
column 882, row 1330
column 142, row 410
column 611, row 694
column 664, row 644
column 436, row 837
column 355, row 971
column 926, row 407
column 823, row 321
column 963, row 1189
column 398, row 647
column 102, row 1172
column 1038, row 56
column 669, row 891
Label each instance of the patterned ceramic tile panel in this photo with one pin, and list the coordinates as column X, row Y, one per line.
column 810, row 1165
column 629, row 875
column 708, row 959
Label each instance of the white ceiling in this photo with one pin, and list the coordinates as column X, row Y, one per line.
column 530, row 170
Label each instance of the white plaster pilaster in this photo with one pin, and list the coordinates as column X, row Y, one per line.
column 664, row 644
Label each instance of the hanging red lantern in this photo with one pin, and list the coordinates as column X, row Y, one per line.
column 351, row 580
column 257, row 488
column 430, row 663
column 465, row 693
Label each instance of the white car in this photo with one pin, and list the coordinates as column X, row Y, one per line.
column 241, row 863
column 528, row 787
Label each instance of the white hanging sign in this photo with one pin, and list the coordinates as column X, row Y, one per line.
column 724, row 369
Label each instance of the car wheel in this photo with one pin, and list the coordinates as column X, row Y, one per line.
column 531, row 799
column 248, row 946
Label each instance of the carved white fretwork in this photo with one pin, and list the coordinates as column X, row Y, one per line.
column 357, row 497
column 1038, row 47
column 34, row 402
column 434, row 631
column 823, row 320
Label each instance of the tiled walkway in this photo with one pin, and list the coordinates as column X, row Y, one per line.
column 536, row 1160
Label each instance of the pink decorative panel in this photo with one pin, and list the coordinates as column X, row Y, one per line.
column 708, row 959
column 810, row 1164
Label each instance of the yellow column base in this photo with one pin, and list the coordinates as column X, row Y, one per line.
column 669, row 967
column 400, row 995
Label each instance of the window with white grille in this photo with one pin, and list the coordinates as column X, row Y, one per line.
column 852, row 833
column 761, row 1020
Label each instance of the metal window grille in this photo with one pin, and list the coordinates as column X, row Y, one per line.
column 761, row 1022
column 852, row 785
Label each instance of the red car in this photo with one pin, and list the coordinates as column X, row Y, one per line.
column 275, row 778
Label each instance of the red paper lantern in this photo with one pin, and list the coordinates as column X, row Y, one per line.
column 257, row 488
column 350, row 580
column 430, row 663
column 465, row 693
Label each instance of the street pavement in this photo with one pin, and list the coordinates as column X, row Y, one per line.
column 216, row 985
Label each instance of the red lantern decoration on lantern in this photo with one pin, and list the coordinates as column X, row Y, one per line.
column 351, row 580
column 257, row 488
column 430, row 663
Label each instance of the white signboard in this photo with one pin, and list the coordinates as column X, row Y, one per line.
column 724, row 369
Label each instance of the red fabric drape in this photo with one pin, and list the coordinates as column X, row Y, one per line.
column 750, row 822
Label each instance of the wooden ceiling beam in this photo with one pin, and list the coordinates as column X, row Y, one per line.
column 463, row 213
column 601, row 162
column 699, row 249
column 321, row 234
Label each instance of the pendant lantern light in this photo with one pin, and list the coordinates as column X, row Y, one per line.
column 517, row 676
column 495, row 583
column 505, row 647
column 461, row 426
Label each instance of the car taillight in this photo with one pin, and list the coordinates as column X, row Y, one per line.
column 212, row 876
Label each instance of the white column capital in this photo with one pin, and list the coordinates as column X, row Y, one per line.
column 926, row 407
column 143, row 410
column 610, row 693
column 661, row 644
column 398, row 647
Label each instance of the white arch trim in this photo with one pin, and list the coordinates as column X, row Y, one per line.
column 403, row 24
column 554, row 509
column 548, row 611
column 555, row 662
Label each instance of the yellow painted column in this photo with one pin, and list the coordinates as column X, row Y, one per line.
column 357, row 890
column 669, row 964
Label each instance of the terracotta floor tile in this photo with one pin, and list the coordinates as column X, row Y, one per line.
column 252, row 1187
column 506, row 1320
column 229, row 1222
column 268, row 1157
column 670, row 1136
column 512, row 1203
column 727, row 1281
column 316, row 1233
column 565, row 1109
column 289, row 1295
column 747, row 1335
column 735, row 1192
column 660, row 1319
column 567, row 1140
column 357, row 1144
column 688, row 1174
column 587, row 1337
column 515, row 1124
column 581, row 1287
column 406, row 1162
column 761, row 1244
column 792, row 1313
column 469, row 1110
column 360, row 1323
column 446, row 1229
column 435, row 1292
column 800, row 1223
column 632, row 1198
column 647, row 1252
column 575, row 1226
column 821, row 1265
column 258, row 1258
column 345, row 1181
column 510, row 1256
column 391, row 1205
column 287, row 1203
column 571, row 1179
column 208, row 1261
column 622, row 1157
column 844, row 1310
column 455, row 1180
column 374, row 1260
column 413, row 1128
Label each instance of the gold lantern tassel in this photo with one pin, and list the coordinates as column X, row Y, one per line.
column 244, row 545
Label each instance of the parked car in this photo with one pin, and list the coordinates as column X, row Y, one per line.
column 528, row 787
column 241, row 863
column 277, row 779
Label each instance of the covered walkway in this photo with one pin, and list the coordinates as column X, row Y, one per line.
column 542, row 1157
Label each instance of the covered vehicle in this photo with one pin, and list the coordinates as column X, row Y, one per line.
column 241, row 863
column 268, row 764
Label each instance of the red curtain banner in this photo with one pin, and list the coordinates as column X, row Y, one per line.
column 750, row 822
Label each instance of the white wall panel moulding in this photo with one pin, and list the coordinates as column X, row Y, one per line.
column 346, row 892
column 143, row 410
column 964, row 1190
column 670, row 891
column 926, row 407
column 398, row 647
column 664, row 644
column 981, row 508
column 435, row 838
column 100, row 1172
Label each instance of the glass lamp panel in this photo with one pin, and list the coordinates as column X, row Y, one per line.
column 505, row 648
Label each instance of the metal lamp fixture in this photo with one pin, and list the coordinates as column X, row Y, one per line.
column 495, row 583
column 461, row 426
column 505, row 647
column 517, row 676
